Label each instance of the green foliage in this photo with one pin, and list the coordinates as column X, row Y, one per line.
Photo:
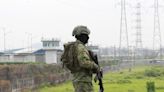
column 160, row 88
column 152, row 72
column 123, row 81
column 150, row 86
column 139, row 77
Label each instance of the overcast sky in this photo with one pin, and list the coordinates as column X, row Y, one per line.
column 57, row 18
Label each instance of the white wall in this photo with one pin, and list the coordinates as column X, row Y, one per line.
column 17, row 58
column 51, row 56
column 5, row 58
column 24, row 58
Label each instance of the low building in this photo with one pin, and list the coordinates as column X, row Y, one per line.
column 52, row 50
column 50, row 53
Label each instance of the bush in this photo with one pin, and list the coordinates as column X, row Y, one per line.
column 150, row 86
column 152, row 72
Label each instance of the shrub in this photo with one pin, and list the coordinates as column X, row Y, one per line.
column 152, row 72
column 150, row 86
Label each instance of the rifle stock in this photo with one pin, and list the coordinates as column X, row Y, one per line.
column 99, row 74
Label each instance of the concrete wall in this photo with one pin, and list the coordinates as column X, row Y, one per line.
column 5, row 58
column 24, row 58
column 17, row 58
column 40, row 58
column 51, row 56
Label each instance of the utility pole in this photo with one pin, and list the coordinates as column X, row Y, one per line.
column 138, row 46
column 4, row 42
column 157, row 45
column 4, row 31
column 132, row 56
column 4, row 35
column 123, row 42
column 29, row 43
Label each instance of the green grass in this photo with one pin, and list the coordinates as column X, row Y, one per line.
column 66, row 87
column 123, row 81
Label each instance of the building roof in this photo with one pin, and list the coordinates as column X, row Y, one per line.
column 25, row 51
column 1, row 53
column 40, row 52
column 12, row 51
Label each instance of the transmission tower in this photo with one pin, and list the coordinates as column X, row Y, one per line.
column 123, row 42
column 157, row 46
column 138, row 46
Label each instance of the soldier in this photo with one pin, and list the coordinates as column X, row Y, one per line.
column 82, row 78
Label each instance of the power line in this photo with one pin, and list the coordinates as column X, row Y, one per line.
column 157, row 45
column 138, row 46
column 123, row 42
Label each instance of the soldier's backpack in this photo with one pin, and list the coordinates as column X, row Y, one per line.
column 69, row 56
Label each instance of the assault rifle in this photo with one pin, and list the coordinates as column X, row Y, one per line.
column 99, row 75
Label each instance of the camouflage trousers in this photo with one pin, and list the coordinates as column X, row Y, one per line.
column 83, row 87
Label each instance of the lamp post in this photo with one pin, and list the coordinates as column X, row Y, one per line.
column 5, row 33
column 29, row 41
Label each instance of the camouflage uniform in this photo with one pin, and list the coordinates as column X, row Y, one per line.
column 82, row 79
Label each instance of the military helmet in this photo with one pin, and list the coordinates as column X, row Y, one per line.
column 80, row 30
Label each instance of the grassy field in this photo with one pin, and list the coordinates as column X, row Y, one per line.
column 122, row 81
